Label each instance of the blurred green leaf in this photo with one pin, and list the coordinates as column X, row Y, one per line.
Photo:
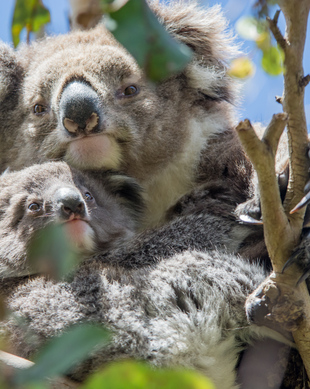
column 51, row 253
column 264, row 41
column 272, row 61
column 29, row 14
column 137, row 375
column 40, row 385
column 64, row 352
column 138, row 30
column 241, row 67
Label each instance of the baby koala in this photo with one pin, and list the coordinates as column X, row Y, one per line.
column 54, row 193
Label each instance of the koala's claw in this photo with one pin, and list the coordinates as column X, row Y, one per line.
column 246, row 219
column 300, row 257
column 303, row 202
column 290, row 261
column 305, row 275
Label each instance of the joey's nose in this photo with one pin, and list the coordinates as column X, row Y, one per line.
column 69, row 201
column 79, row 109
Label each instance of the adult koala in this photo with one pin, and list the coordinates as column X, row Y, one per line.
column 83, row 99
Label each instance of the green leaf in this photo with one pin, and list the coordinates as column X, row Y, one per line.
column 139, row 31
column 64, row 352
column 51, row 253
column 272, row 61
column 29, row 14
column 137, row 375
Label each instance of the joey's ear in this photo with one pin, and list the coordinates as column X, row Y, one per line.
column 128, row 191
column 204, row 30
column 11, row 76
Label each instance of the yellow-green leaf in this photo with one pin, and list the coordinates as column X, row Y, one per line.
column 29, row 14
column 241, row 67
column 263, row 42
column 138, row 375
column 272, row 61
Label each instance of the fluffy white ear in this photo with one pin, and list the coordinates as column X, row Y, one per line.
column 204, row 30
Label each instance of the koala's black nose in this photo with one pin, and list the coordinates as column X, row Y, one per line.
column 69, row 201
column 79, row 109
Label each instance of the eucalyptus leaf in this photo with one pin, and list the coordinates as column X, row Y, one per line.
column 138, row 375
column 51, row 253
column 30, row 14
column 138, row 30
column 272, row 61
column 241, row 67
column 64, row 352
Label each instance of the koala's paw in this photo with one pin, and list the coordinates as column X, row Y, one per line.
column 275, row 306
column 249, row 212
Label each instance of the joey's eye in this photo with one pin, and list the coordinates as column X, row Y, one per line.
column 88, row 196
column 131, row 90
column 34, row 207
column 38, row 109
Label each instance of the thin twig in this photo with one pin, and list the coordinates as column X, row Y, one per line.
column 273, row 25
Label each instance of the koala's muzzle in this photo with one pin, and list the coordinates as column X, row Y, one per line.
column 79, row 109
column 70, row 202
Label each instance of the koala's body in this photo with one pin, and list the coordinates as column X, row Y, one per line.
column 83, row 99
column 54, row 193
column 166, row 304
column 177, row 313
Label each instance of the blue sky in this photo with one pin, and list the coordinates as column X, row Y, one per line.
column 258, row 103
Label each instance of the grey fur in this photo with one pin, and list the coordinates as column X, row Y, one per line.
column 186, row 311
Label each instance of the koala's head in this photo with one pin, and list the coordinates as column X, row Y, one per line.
column 96, row 211
column 86, row 101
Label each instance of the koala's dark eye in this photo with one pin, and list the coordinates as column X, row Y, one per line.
column 88, row 196
column 39, row 109
column 34, row 207
column 131, row 90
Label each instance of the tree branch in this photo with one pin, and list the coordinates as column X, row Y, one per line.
column 273, row 25
column 287, row 304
